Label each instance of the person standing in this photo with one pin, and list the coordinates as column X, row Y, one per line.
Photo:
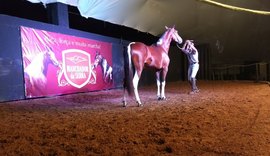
column 193, row 60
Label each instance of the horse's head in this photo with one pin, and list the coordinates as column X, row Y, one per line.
column 98, row 59
column 174, row 33
column 51, row 57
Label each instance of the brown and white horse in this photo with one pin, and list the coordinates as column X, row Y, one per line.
column 107, row 70
column 154, row 56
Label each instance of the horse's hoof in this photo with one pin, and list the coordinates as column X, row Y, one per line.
column 162, row 98
column 139, row 104
column 124, row 103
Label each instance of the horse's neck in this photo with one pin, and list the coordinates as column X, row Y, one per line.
column 99, row 61
column 103, row 63
column 36, row 67
column 42, row 63
column 45, row 68
column 165, row 41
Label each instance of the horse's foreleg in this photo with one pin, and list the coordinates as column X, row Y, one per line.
column 163, row 83
column 158, row 88
column 135, row 82
column 163, row 97
column 158, row 84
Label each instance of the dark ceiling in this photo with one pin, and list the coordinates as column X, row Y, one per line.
column 38, row 12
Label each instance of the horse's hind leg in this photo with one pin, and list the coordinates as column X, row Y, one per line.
column 109, row 74
column 135, row 81
column 124, row 101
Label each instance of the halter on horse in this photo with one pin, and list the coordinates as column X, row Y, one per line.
column 105, row 67
column 36, row 71
column 155, row 56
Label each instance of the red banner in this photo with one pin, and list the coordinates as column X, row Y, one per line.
column 60, row 64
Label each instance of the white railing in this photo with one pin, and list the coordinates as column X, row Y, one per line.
column 256, row 71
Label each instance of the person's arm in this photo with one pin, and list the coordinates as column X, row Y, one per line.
column 193, row 49
column 187, row 47
column 185, row 50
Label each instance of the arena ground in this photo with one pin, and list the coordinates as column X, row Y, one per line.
column 225, row 118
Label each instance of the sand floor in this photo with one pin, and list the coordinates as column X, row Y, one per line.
column 225, row 118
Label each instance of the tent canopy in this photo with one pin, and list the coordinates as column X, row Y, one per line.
column 227, row 30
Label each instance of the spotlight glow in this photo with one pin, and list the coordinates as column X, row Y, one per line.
column 236, row 8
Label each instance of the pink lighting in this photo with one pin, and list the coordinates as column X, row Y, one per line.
column 57, row 64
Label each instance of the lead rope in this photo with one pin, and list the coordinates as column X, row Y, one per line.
column 178, row 46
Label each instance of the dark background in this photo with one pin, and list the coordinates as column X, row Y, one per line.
column 38, row 12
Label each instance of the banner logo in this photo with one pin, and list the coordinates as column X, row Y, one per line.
column 76, row 67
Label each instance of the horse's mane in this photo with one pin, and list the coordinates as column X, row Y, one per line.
column 159, row 42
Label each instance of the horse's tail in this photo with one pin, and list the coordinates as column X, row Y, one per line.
column 129, row 71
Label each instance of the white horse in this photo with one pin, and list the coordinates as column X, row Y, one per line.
column 35, row 73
